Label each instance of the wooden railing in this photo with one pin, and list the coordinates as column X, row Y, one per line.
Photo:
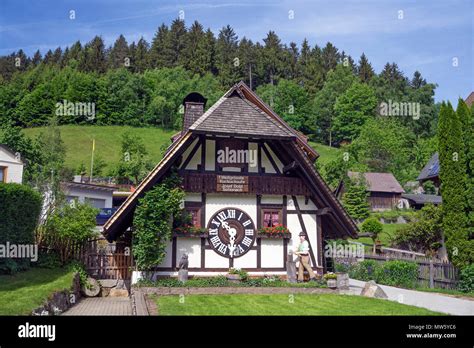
column 206, row 182
column 432, row 273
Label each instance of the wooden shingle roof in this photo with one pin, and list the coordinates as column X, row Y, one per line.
column 234, row 114
column 380, row 182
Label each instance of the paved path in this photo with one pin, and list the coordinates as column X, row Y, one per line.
column 101, row 306
column 431, row 301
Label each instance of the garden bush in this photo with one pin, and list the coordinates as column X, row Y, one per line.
column 398, row 273
column 222, row 281
column 20, row 207
column 466, row 281
column 365, row 270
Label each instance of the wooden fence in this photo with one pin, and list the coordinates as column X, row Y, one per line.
column 101, row 259
column 108, row 265
column 431, row 273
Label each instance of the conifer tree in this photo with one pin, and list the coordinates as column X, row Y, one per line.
column 466, row 118
column 365, row 70
column 198, row 51
column 355, row 198
column 36, row 60
column 272, row 57
column 159, row 52
column 175, row 43
column 119, row 53
column 227, row 62
column 453, row 185
column 94, row 57
column 140, row 56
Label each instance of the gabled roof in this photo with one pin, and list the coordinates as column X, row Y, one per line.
column 470, row 99
column 431, row 169
column 423, row 199
column 380, row 182
column 234, row 114
column 10, row 152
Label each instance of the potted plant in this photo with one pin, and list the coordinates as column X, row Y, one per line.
column 236, row 275
column 331, row 280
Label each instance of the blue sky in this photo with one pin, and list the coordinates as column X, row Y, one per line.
column 430, row 36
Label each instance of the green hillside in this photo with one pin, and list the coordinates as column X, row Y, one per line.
column 326, row 153
column 78, row 141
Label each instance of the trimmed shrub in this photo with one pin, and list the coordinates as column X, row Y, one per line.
column 398, row 273
column 466, row 282
column 20, row 207
column 365, row 270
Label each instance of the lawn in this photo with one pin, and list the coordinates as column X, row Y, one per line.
column 385, row 237
column 25, row 291
column 78, row 141
column 298, row 304
column 326, row 153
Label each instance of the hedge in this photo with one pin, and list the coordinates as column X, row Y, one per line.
column 20, row 207
column 466, row 282
column 393, row 273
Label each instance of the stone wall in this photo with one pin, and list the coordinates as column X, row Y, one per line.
column 61, row 301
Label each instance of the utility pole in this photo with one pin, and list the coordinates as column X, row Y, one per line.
column 92, row 160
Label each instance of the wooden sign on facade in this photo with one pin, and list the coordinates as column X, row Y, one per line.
column 232, row 183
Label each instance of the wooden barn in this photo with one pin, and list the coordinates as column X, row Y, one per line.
column 243, row 169
column 384, row 190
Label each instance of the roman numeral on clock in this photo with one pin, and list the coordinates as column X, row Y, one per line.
column 213, row 231
column 231, row 213
column 240, row 216
column 222, row 248
column 246, row 223
column 221, row 216
column 249, row 232
column 215, row 241
column 247, row 241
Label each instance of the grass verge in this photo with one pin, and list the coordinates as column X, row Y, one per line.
column 25, row 291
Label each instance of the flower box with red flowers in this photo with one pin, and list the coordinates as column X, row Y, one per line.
column 189, row 231
column 277, row 231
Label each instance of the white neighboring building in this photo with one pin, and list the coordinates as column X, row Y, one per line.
column 99, row 196
column 11, row 166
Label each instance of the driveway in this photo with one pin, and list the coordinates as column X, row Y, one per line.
column 431, row 301
column 101, row 306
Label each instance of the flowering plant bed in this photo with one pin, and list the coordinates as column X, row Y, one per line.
column 190, row 231
column 277, row 231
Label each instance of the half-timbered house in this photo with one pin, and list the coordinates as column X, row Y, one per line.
column 243, row 169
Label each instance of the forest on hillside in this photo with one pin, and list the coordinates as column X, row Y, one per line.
column 320, row 91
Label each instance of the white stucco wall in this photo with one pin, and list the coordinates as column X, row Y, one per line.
column 13, row 165
column 272, row 253
column 83, row 193
column 210, row 155
column 196, row 159
column 190, row 246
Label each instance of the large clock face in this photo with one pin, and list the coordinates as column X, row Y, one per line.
column 231, row 232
